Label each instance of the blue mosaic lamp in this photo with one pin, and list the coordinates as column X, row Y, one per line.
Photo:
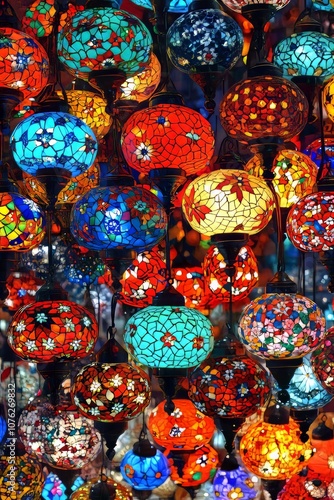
column 233, row 481
column 175, row 6
column 53, row 140
column 53, row 488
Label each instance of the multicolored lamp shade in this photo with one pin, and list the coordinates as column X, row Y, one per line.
column 263, row 107
column 24, row 64
column 85, row 267
column 305, row 54
column 51, row 330
column 274, row 451
column 175, row 6
column 167, row 136
column 235, row 483
column 328, row 98
column 119, row 217
column 78, row 186
column 103, row 38
column 114, row 488
column 295, row 175
column 111, row 392
column 227, row 201
column 169, row 337
column 229, row 386
column 53, row 140
column 238, row 5
column 21, row 478
column 308, row 485
column 322, row 361
column 22, row 223
column 221, row 284
column 190, row 469
column 315, row 151
column 204, row 39
column 190, row 282
column 53, row 488
column 143, row 279
column 186, row 428
column 143, row 85
column 22, row 287
column 280, row 326
column 28, row 424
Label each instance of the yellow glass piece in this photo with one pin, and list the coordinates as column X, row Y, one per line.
column 142, row 86
column 328, row 98
column 78, row 186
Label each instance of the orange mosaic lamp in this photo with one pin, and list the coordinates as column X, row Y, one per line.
column 143, row 85
column 190, row 283
column 190, row 469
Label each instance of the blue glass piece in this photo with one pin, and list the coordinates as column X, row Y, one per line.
column 145, row 473
column 235, row 483
column 53, row 488
column 176, row 6
column 3, row 428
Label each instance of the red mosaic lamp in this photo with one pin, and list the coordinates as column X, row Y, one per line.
column 22, row 286
column 307, row 485
column 191, row 469
column 322, row 361
column 190, row 282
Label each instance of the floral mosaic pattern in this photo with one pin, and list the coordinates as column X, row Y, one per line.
column 121, row 493
column 22, row 288
column 322, row 361
column 50, row 330
column 111, row 392
column 281, row 326
column 28, row 475
column 194, row 468
column 141, row 86
column 119, row 218
column 227, row 201
column 168, row 337
column 145, row 473
column 167, row 136
column 237, row 483
column 308, row 486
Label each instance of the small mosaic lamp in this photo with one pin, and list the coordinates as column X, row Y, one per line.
column 105, row 487
column 21, row 478
column 322, row 361
column 316, row 151
column 193, row 468
column 190, row 283
column 175, row 6
column 53, row 140
column 143, row 85
column 50, row 330
column 234, row 481
column 22, row 286
column 85, row 267
column 53, row 488
column 307, row 485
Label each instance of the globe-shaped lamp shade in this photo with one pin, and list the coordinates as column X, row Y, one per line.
column 274, row 451
column 141, row 86
column 263, row 107
column 227, row 201
column 204, row 40
column 315, row 151
column 191, row 469
column 143, row 279
column 238, row 5
column 235, row 483
column 190, row 282
column 295, row 175
column 144, row 473
column 167, row 136
column 169, row 337
column 310, row 222
column 24, row 62
column 114, row 488
column 185, row 429
column 308, row 485
column 27, row 478
column 229, row 386
column 78, row 186
column 104, row 39
column 175, row 6
column 322, row 360
column 51, row 330
column 111, row 392
column 29, row 422
column 280, row 326
column 22, row 287
column 22, row 223
column 117, row 217
column 305, row 54
column 53, row 140
column 221, row 284
column 328, row 98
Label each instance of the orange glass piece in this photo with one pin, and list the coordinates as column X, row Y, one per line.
column 191, row 284
column 141, row 86
column 195, row 467
column 80, row 185
column 22, row 287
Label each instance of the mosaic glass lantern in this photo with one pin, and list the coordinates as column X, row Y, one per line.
column 186, row 428
column 310, row 222
column 111, row 392
column 190, row 469
column 24, row 63
column 328, row 98
column 322, row 360
column 235, row 483
column 107, row 485
column 50, row 330
column 141, row 86
column 143, row 279
column 103, row 38
column 190, row 283
column 22, row 223
column 175, row 6
column 119, row 217
column 204, row 39
column 308, row 53
column 168, row 337
column 274, row 451
column 53, row 488
column 85, row 267
column 315, row 151
column 38, row 20
column 295, row 175
column 221, row 284
column 29, row 421
column 227, row 201
column 53, row 140
column 229, row 386
column 22, row 287
column 262, row 107
column 21, row 478
column 78, row 186
column 238, row 5
column 167, row 136
column 308, row 485
column 280, row 326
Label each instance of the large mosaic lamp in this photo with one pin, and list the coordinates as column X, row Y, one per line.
column 21, row 478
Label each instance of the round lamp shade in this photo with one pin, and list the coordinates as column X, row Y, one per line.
column 50, row 330
column 192, row 51
column 85, row 267
column 227, row 201
column 322, row 360
column 103, row 38
column 262, row 107
column 78, row 186
column 315, row 151
column 53, row 140
column 274, row 451
column 193, row 468
column 295, row 175
column 229, row 387
column 141, row 86
column 281, row 326
column 221, row 284
column 169, row 337
column 22, row 287
column 144, row 473
column 29, row 422
column 236, row 483
column 305, row 54
column 185, row 429
column 111, row 392
column 24, row 63
column 107, row 485
column 118, row 217
column 328, row 98
column 310, row 222
column 21, row 478
column 175, row 6
column 22, row 223
column 238, row 5
column 167, row 136
column 307, row 486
